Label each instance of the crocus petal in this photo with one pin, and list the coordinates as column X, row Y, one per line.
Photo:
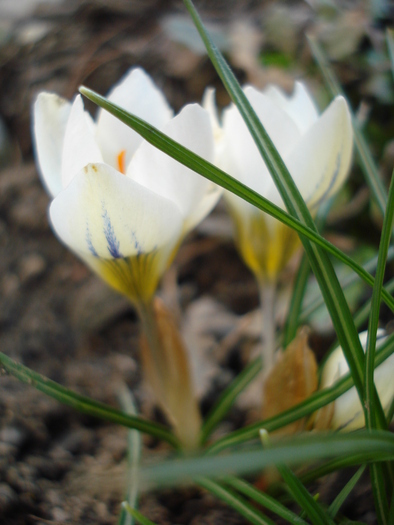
column 51, row 113
column 103, row 214
column 299, row 106
column 246, row 163
column 137, row 94
column 208, row 103
column 348, row 413
column 193, row 195
column 320, row 164
column 79, row 148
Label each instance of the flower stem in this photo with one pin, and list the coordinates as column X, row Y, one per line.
column 267, row 291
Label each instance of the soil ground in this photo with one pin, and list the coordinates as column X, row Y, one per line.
column 56, row 465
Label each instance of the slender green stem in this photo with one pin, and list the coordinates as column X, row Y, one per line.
column 133, row 456
column 390, row 45
column 267, row 300
column 294, row 315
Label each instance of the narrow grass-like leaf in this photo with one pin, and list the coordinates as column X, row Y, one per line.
column 85, row 404
column 263, row 499
column 299, row 287
column 345, row 492
column 235, row 501
column 140, row 518
column 372, row 404
column 390, row 45
column 296, row 489
column 391, row 513
column 318, row 259
column 214, row 174
column 349, row 280
column 295, row 308
column 311, row 404
column 367, row 163
column 133, row 456
column 328, row 467
column 372, row 445
column 379, row 495
column 361, row 316
column 300, row 495
column 228, row 397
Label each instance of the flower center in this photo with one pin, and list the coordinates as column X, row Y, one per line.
column 121, row 161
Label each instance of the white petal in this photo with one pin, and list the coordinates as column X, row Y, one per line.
column 104, row 214
column 299, row 106
column 320, row 164
column 240, row 157
column 348, row 413
column 208, row 103
column 50, row 118
column 79, row 147
column 193, row 195
column 137, row 94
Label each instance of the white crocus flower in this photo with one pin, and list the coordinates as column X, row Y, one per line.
column 346, row 412
column 317, row 150
column 119, row 203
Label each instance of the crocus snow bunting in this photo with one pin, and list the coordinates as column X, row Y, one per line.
column 120, row 204
column 124, row 207
column 316, row 149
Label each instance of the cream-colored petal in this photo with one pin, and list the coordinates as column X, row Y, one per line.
column 208, row 103
column 192, row 194
column 50, row 115
column 79, row 148
column 137, row 94
column 240, row 156
column 104, row 214
column 348, row 413
column 321, row 162
column 299, row 105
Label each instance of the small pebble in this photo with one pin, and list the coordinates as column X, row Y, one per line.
column 59, row 515
column 13, row 436
column 31, row 267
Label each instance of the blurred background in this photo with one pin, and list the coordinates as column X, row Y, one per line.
column 57, row 466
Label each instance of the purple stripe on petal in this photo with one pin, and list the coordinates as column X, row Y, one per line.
column 112, row 242
column 88, row 238
column 137, row 245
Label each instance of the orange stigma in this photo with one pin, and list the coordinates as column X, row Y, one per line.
column 121, row 161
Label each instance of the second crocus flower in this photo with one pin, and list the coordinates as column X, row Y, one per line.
column 317, row 150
